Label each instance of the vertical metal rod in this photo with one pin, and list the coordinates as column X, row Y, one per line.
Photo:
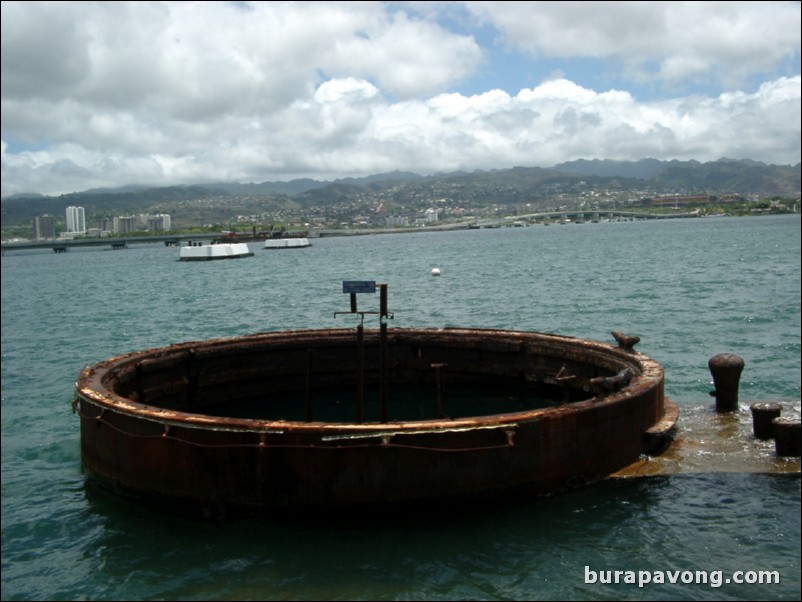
column 383, row 301
column 353, row 303
column 438, row 369
column 383, row 369
column 140, row 391
column 360, row 373
column 439, row 394
column 383, row 351
column 309, row 414
column 192, row 382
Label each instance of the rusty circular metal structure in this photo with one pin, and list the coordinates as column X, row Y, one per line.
column 326, row 419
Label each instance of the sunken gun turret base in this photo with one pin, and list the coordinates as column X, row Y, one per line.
column 306, row 419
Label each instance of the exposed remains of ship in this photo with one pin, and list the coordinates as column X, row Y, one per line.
column 333, row 419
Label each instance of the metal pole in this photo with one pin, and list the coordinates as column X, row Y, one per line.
column 309, row 411
column 438, row 368
column 383, row 352
column 360, row 373
column 383, row 369
column 383, row 313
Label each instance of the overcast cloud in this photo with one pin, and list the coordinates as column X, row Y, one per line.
column 157, row 93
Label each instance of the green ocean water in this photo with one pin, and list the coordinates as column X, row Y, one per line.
column 689, row 288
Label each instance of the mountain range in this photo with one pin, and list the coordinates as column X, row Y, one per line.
column 532, row 185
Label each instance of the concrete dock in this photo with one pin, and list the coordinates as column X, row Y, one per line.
column 709, row 441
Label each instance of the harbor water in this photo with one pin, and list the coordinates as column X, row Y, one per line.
column 717, row 515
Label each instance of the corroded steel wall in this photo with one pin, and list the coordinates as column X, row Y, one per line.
column 145, row 433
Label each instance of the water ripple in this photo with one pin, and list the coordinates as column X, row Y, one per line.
column 689, row 288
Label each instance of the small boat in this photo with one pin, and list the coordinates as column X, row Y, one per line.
column 287, row 243
column 205, row 252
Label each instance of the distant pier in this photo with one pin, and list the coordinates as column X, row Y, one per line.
column 116, row 242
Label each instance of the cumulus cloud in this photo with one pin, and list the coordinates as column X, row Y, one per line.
column 669, row 41
column 105, row 94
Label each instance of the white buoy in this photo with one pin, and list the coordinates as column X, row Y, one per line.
column 435, row 271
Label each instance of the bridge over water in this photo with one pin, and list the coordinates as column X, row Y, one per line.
column 578, row 214
column 123, row 242
column 523, row 219
column 115, row 242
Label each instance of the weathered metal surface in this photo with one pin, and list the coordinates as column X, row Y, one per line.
column 762, row 416
column 624, row 341
column 155, row 423
column 707, row 441
column 787, row 437
column 726, row 369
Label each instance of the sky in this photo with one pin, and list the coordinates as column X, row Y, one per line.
column 106, row 94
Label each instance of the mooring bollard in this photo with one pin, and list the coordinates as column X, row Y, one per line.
column 726, row 369
column 787, row 437
column 762, row 415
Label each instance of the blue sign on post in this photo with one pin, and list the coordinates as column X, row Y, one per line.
column 359, row 286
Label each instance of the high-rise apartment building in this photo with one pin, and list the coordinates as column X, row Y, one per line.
column 124, row 225
column 76, row 220
column 44, row 227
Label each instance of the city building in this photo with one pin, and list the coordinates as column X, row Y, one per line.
column 393, row 221
column 105, row 224
column 44, row 227
column 125, row 225
column 76, row 220
column 159, row 223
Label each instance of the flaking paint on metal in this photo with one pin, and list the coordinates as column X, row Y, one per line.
column 536, row 428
